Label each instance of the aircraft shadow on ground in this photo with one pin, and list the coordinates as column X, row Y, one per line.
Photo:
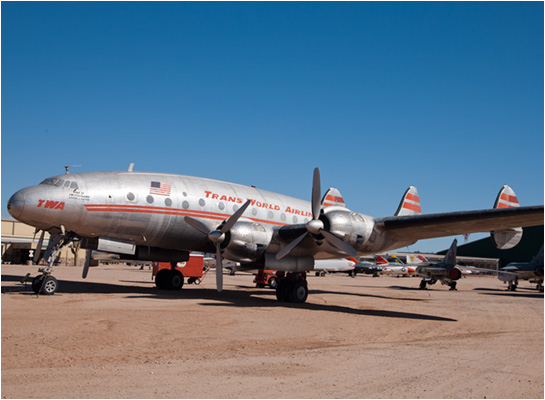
column 505, row 292
column 238, row 298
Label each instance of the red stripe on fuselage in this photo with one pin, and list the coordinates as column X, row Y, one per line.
column 166, row 211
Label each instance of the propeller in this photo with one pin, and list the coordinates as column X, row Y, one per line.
column 217, row 237
column 316, row 226
column 86, row 265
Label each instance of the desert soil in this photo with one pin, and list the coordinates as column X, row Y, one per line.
column 114, row 335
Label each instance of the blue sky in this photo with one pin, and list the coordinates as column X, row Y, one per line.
column 447, row 97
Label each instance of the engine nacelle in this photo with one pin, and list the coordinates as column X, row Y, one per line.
column 349, row 226
column 246, row 242
column 289, row 263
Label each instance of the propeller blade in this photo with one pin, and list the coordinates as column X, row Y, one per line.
column 198, row 225
column 316, row 193
column 234, row 218
column 290, row 246
column 86, row 265
column 39, row 248
column 219, row 269
column 339, row 243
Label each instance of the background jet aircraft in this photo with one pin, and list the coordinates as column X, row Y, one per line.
column 531, row 271
column 445, row 271
column 398, row 267
column 338, row 265
column 162, row 217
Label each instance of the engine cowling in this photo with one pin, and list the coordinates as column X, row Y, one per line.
column 246, row 242
column 349, row 226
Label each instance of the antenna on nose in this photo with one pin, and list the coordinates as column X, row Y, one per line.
column 69, row 166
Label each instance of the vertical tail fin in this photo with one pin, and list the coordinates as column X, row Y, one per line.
column 410, row 203
column 507, row 238
column 397, row 260
column 537, row 261
column 381, row 261
column 333, row 198
column 450, row 257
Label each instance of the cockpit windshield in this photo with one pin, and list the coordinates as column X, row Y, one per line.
column 60, row 182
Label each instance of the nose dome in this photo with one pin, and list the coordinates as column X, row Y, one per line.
column 16, row 205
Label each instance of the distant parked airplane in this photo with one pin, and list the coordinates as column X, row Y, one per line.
column 531, row 271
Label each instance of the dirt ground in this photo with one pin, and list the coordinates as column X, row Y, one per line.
column 114, row 335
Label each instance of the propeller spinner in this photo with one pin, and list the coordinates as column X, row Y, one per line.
column 316, row 226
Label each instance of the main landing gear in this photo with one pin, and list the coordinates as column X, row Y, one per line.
column 424, row 282
column 169, row 279
column 432, row 281
column 293, row 288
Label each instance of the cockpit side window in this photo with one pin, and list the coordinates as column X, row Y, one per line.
column 60, row 182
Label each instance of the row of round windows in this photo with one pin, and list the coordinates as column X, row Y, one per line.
column 185, row 204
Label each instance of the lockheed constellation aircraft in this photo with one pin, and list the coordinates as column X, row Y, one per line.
column 162, row 217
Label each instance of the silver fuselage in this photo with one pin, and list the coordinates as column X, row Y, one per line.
column 122, row 205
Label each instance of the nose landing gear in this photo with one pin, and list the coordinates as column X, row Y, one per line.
column 46, row 283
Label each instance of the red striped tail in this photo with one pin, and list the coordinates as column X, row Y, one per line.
column 410, row 203
column 333, row 198
column 506, row 198
column 381, row 261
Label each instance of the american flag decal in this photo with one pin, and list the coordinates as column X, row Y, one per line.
column 160, row 188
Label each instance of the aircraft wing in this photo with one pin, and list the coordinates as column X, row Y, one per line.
column 410, row 228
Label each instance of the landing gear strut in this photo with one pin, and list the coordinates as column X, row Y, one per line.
column 293, row 288
column 46, row 283
column 424, row 282
column 512, row 286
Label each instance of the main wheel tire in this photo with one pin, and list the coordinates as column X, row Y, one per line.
column 282, row 289
column 298, row 291
column 175, row 280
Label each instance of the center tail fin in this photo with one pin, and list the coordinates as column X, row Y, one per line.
column 410, row 203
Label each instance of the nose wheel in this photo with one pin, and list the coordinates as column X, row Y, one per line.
column 45, row 284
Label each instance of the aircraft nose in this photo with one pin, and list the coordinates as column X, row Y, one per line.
column 16, row 205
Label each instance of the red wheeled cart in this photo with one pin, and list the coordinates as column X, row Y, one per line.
column 171, row 276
